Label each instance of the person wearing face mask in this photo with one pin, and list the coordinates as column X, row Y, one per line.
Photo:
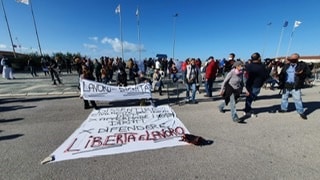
column 291, row 79
column 231, row 89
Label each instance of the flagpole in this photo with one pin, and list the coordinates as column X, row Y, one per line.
column 280, row 40
column 290, row 41
column 174, row 34
column 118, row 10
column 35, row 26
column 289, row 46
column 138, row 26
column 5, row 16
column 265, row 40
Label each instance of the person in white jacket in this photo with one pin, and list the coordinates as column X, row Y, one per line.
column 6, row 68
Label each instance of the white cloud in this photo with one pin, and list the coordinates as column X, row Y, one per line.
column 3, row 46
column 90, row 46
column 95, row 39
column 116, row 45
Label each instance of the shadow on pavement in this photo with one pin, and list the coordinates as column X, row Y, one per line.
column 9, row 137
column 311, row 106
column 274, row 96
column 43, row 98
column 13, row 108
column 10, row 120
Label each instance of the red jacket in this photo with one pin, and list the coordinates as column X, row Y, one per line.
column 211, row 70
column 184, row 66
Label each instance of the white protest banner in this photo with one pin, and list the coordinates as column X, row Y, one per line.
column 91, row 90
column 122, row 130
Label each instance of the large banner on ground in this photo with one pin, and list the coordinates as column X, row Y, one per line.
column 91, row 90
column 122, row 130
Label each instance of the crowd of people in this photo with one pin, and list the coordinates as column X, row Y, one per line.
column 239, row 78
column 242, row 78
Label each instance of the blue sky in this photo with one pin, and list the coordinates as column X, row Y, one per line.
column 203, row 27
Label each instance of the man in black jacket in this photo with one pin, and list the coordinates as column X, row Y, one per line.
column 257, row 74
column 291, row 78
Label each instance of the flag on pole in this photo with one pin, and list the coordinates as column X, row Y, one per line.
column 137, row 12
column 285, row 24
column 23, row 1
column 297, row 24
column 117, row 9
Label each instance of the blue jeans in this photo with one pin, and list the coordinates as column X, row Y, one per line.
column 232, row 105
column 249, row 99
column 193, row 88
column 296, row 95
column 174, row 77
column 272, row 81
column 208, row 86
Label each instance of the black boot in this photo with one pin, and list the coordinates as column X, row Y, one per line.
column 94, row 105
column 160, row 91
column 86, row 104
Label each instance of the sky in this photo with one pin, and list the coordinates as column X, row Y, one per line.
column 202, row 28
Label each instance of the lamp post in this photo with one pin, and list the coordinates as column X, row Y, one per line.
column 5, row 16
column 174, row 33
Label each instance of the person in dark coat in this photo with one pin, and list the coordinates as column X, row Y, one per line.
column 86, row 74
column 257, row 74
column 292, row 78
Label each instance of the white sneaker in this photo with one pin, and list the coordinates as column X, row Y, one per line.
column 249, row 114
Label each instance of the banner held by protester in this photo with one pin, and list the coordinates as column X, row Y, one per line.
column 91, row 90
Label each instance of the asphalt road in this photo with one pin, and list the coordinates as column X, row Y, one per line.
column 269, row 146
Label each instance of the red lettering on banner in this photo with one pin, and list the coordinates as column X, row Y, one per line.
column 124, row 138
column 96, row 142
column 88, row 142
column 156, row 135
column 179, row 130
column 109, row 139
column 119, row 139
column 69, row 148
column 131, row 137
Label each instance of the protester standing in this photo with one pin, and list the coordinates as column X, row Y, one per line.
column 86, row 74
column 191, row 80
column 44, row 66
column 211, row 69
column 228, row 64
column 6, row 68
column 157, row 81
column 97, row 69
column 184, row 68
column 135, row 73
column 32, row 67
column 291, row 79
column 68, row 63
column 54, row 71
column 173, row 72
